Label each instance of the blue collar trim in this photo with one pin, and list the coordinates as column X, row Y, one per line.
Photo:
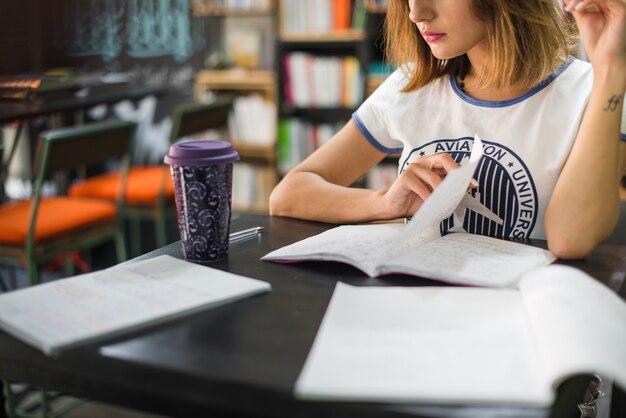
column 504, row 103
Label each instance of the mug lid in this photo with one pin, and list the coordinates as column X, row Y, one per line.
column 200, row 152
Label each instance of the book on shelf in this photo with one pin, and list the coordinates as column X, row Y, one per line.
column 252, row 185
column 314, row 81
column 466, row 345
column 253, row 121
column 417, row 248
column 297, row 139
column 74, row 311
column 320, row 16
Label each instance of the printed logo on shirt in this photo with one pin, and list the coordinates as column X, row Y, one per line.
column 505, row 187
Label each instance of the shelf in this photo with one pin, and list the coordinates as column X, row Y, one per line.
column 260, row 209
column 376, row 9
column 351, row 35
column 237, row 79
column 264, row 153
column 221, row 12
column 232, row 8
column 319, row 114
column 373, row 7
column 373, row 81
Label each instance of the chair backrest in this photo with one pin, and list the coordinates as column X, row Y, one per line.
column 67, row 149
column 71, row 148
column 195, row 117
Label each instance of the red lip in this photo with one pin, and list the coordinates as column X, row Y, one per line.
column 432, row 36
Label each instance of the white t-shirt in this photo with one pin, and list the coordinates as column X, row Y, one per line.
column 526, row 140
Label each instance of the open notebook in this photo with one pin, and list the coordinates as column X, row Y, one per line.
column 466, row 345
column 73, row 311
column 418, row 248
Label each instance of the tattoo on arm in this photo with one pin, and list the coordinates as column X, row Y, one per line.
column 612, row 104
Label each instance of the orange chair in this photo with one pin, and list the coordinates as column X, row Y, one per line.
column 149, row 191
column 41, row 229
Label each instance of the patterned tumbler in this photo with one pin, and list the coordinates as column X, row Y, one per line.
column 202, row 171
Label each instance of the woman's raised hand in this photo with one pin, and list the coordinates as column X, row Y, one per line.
column 416, row 183
column 602, row 26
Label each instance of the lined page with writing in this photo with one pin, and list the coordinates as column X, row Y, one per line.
column 71, row 311
column 470, row 259
column 363, row 246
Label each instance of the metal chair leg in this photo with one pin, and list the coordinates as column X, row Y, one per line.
column 33, row 274
column 160, row 229
column 120, row 247
column 9, row 404
column 135, row 237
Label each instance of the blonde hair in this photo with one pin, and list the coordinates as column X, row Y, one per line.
column 528, row 40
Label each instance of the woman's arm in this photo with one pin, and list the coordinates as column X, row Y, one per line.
column 317, row 189
column 585, row 205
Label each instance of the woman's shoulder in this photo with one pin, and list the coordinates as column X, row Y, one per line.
column 576, row 67
column 573, row 75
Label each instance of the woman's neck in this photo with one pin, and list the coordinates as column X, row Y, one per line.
column 472, row 89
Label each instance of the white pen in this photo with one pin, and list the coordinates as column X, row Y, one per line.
column 245, row 233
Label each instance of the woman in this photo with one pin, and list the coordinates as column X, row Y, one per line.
column 551, row 124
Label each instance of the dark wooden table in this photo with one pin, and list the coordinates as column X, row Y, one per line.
column 242, row 359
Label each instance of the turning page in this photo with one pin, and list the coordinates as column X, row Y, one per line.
column 72, row 311
column 579, row 324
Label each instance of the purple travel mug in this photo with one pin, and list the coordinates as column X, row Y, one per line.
column 202, row 171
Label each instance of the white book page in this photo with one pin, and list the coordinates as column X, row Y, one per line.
column 441, row 344
column 363, row 246
column 470, row 259
column 579, row 323
column 73, row 310
column 441, row 203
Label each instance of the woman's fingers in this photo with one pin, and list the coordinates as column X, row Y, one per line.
column 580, row 5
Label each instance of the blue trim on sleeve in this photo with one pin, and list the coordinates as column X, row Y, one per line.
column 504, row 103
column 370, row 138
column 622, row 136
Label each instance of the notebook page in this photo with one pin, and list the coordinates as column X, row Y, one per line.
column 70, row 311
column 580, row 324
column 359, row 245
column 425, row 344
column 470, row 259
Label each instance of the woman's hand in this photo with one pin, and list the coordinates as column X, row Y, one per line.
column 602, row 26
column 416, row 183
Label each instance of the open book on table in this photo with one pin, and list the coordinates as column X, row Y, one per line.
column 466, row 344
column 69, row 312
column 418, row 248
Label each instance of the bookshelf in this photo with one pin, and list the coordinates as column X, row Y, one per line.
column 252, row 130
column 241, row 29
column 322, row 55
column 337, row 45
